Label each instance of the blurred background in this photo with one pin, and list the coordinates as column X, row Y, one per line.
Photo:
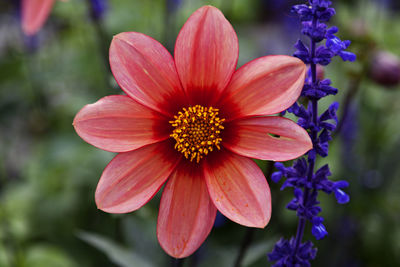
column 48, row 174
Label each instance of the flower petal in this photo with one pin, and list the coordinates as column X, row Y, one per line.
column 145, row 70
column 206, row 54
column 238, row 188
column 264, row 86
column 118, row 124
column 34, row 14
column 251, row 137
column 186, row 213
column 133, row 178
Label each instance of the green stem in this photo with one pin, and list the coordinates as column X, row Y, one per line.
column 249, row 235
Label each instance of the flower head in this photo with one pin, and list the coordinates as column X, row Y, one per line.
column 193, row 122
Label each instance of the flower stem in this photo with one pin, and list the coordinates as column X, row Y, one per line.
column 177, row 262
column 248, row 238
column 249, row 235
column 314, row 135
column 102, row 42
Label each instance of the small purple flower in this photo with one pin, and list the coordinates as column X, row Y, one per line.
column 338, row 46
column 341, row 196
column 318, row 229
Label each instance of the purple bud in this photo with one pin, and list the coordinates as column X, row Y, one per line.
column 332, row 30
column 341, row 196
column 276, row 176
column 347, row 56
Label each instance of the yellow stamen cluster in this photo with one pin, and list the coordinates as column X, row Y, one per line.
column 197, row 131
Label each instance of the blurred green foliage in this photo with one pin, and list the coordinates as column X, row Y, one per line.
column 48, row 175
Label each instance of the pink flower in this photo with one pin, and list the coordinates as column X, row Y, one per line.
column 193, row 122
column 35, row 14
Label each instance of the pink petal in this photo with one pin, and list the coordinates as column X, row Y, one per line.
column 133, row 178
column 251, row 138
column 34, row 14
column 264, row 86
column 145, row 70
column 238, row 188
column 206, row 54
column 119, row 124
column 186, row 213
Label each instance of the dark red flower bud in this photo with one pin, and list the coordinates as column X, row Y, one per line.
column 385, row 69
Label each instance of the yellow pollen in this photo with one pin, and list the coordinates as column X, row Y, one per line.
column 196, row 131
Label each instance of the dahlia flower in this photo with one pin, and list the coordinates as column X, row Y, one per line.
column 35, row 14
column 193, row 123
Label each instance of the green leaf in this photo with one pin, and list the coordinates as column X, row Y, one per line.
column 118, row 254
column 44, row 255
column 256, row 251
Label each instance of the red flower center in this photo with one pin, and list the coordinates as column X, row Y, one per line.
column 196, row 131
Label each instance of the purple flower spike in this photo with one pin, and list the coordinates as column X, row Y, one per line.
column 302, row 176
column 285, row 254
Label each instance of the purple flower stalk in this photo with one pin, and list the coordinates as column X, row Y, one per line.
column 98, row 8
column 173, row 5
column 302, row 176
